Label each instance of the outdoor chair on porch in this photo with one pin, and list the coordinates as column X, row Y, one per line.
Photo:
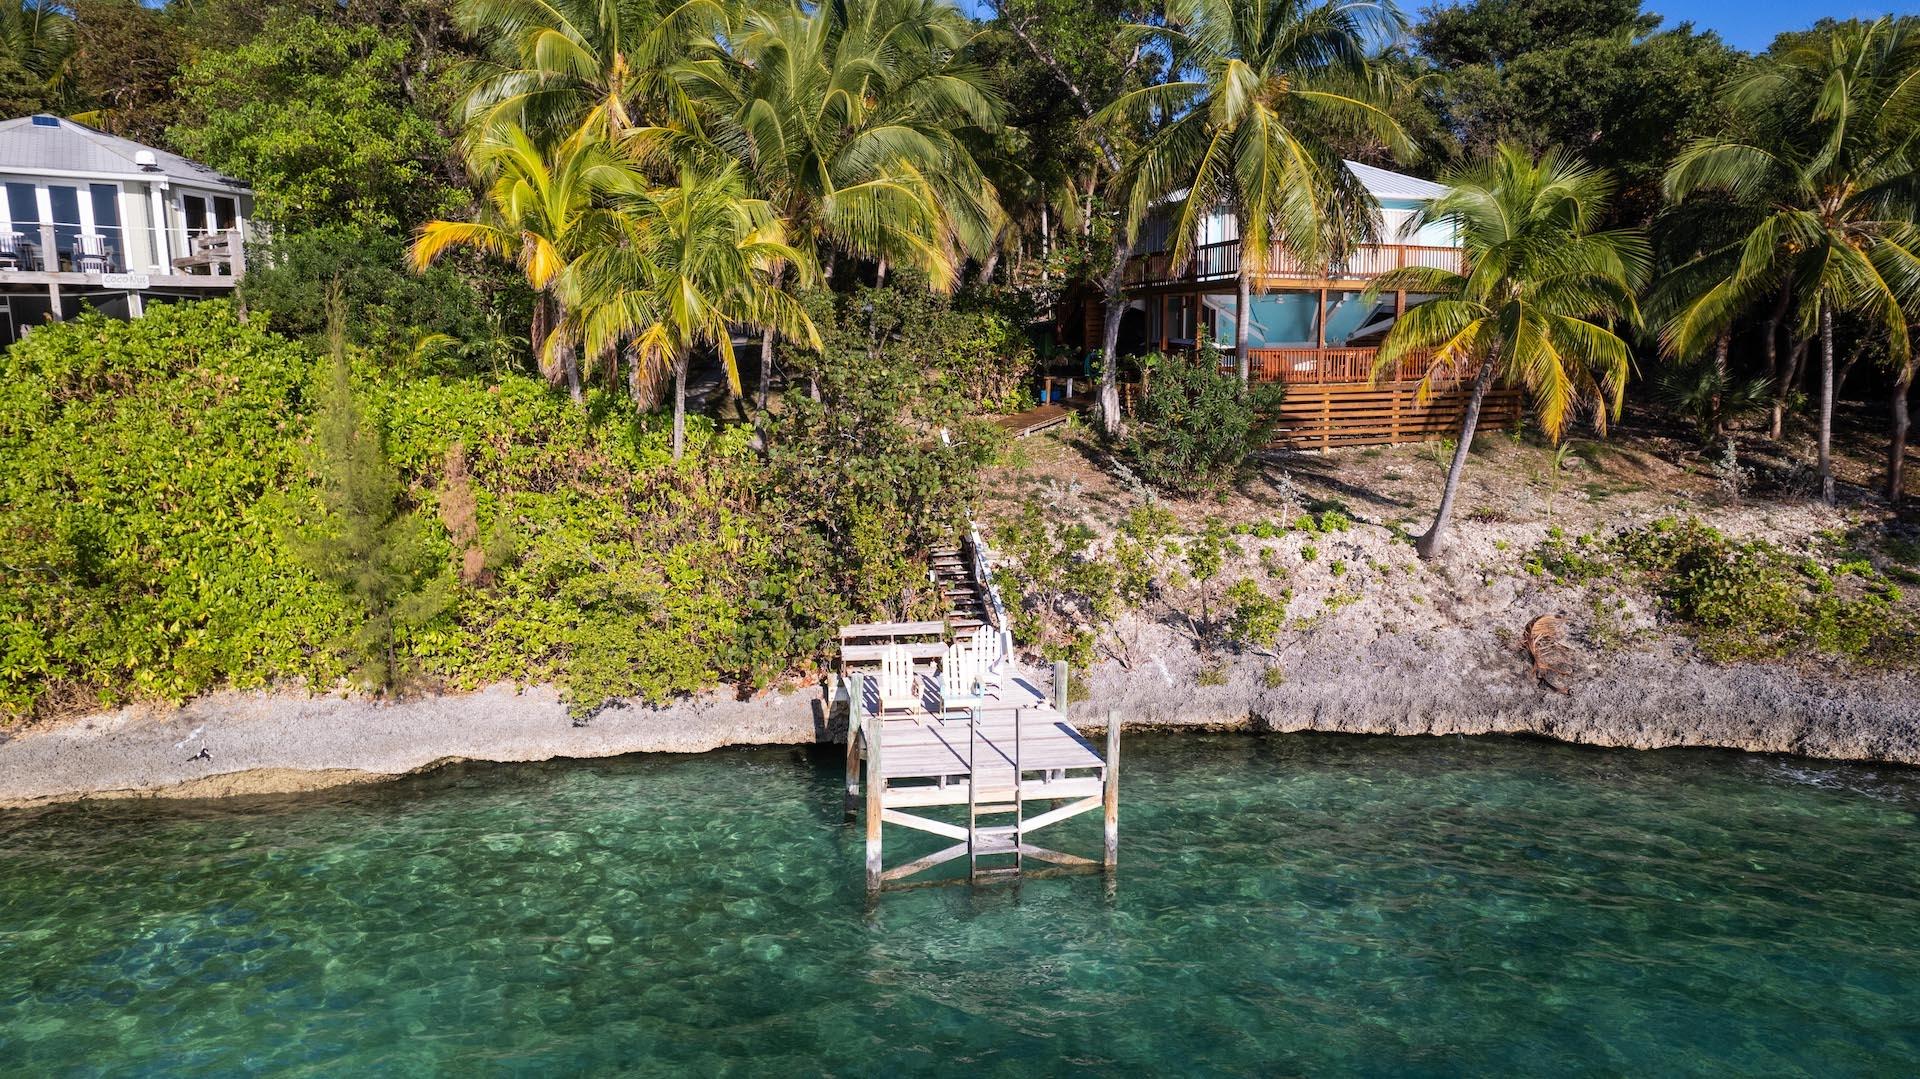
column 12, row 257
column 90, row 254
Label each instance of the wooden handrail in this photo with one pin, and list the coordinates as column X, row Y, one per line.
column 1211, row 262
column 1315, row 366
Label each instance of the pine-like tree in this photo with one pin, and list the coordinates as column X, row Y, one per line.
column 368, row 542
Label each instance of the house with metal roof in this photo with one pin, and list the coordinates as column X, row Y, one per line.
column 93, row 219
column 1312, row 327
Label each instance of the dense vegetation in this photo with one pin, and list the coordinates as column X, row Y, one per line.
column 663, row 331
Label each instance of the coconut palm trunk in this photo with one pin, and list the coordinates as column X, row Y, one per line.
column 1897, row 449
column 1242, row 312
column 1826, row 401
column 1776, row 360
column 1110, row 336
column 766, row 369
column 1434, row 541
column 680, row 365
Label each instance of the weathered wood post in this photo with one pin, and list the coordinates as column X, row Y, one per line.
column 1060, row 686
column 1111, row 792
column 855, row 688
column 876, row 783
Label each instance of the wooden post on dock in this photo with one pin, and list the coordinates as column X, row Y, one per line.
column 1060, row 686
column 876, row 784
column 856, row 689
column 1111, row 792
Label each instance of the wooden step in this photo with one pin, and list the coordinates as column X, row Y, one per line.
column 996, row 845
column 997, row 807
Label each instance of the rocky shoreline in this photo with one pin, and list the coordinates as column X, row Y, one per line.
column 1454, row 682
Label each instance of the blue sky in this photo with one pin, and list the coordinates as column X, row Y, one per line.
column 1751, row 24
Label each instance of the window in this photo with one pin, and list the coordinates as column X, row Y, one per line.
column 65, row 203
column 226, row 216
column 195, row 210
column 23, row 206
column 106, row 224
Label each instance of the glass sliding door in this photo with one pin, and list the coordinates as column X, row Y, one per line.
column 23, row 218
column 106, row 225
column 65, row 203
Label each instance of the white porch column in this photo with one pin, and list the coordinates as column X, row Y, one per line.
column 162, row 244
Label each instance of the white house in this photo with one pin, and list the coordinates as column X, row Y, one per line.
column 92, row 218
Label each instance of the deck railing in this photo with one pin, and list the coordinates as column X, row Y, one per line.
column 1323, row 365
column 1213, row 262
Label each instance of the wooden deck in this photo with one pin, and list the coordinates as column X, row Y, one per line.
column 957, row 724
column 1014, row 748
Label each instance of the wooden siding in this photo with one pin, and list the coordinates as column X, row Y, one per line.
column 1319, row 417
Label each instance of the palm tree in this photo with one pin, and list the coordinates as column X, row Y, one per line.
column 38, row 37
column 848, row 118
column 559, row 65
column 1535, row 305
column 542, row 211
column 1823, row 147
column 1248, row 128
column 694, row 260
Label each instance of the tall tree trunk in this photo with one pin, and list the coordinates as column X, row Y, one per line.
column 538, row 332
column 766, row 369
column 1115, row 295
column 1243, row 293
column 987, row 267
column 1826, row 401
column 880, row 275
column 570, row 367
column 1046, row 241
column 1720, row 381
column 1433, row 542
column 680, row 404
column 1897, row 449
column 1774, row 358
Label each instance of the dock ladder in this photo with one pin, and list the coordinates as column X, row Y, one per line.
column 994, row 839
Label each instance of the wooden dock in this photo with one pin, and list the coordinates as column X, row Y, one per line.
column 939, row 716
column 1013, row 749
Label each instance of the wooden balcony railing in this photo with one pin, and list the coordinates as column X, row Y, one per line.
column 1221, row 261
column 1316, row 366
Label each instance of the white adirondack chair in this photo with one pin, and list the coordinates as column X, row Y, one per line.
column 967, row 672
column 899, row 682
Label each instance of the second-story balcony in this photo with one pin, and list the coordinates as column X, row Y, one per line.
column 1221, row 262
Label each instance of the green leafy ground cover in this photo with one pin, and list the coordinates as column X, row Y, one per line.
column 160, row 485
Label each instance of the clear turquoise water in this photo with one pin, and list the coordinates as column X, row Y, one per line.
column 1284, row 905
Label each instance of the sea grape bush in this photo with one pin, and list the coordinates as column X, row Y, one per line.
column 1195, row 425
column 146, row 486
column 158, row 474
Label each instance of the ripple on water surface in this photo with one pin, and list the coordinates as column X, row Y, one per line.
column 1285, row 904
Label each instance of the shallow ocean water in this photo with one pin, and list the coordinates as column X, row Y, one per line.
column 1287, row 904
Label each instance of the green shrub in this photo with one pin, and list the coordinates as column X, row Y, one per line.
column 158, row 474
column 142, row 501
column 1194, row 426
column 1746, row 599
column 1254, row 619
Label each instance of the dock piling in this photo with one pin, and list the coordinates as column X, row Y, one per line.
column 1060, row 686
column 876, row 785
column 856, row 690
column 1111, row 790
